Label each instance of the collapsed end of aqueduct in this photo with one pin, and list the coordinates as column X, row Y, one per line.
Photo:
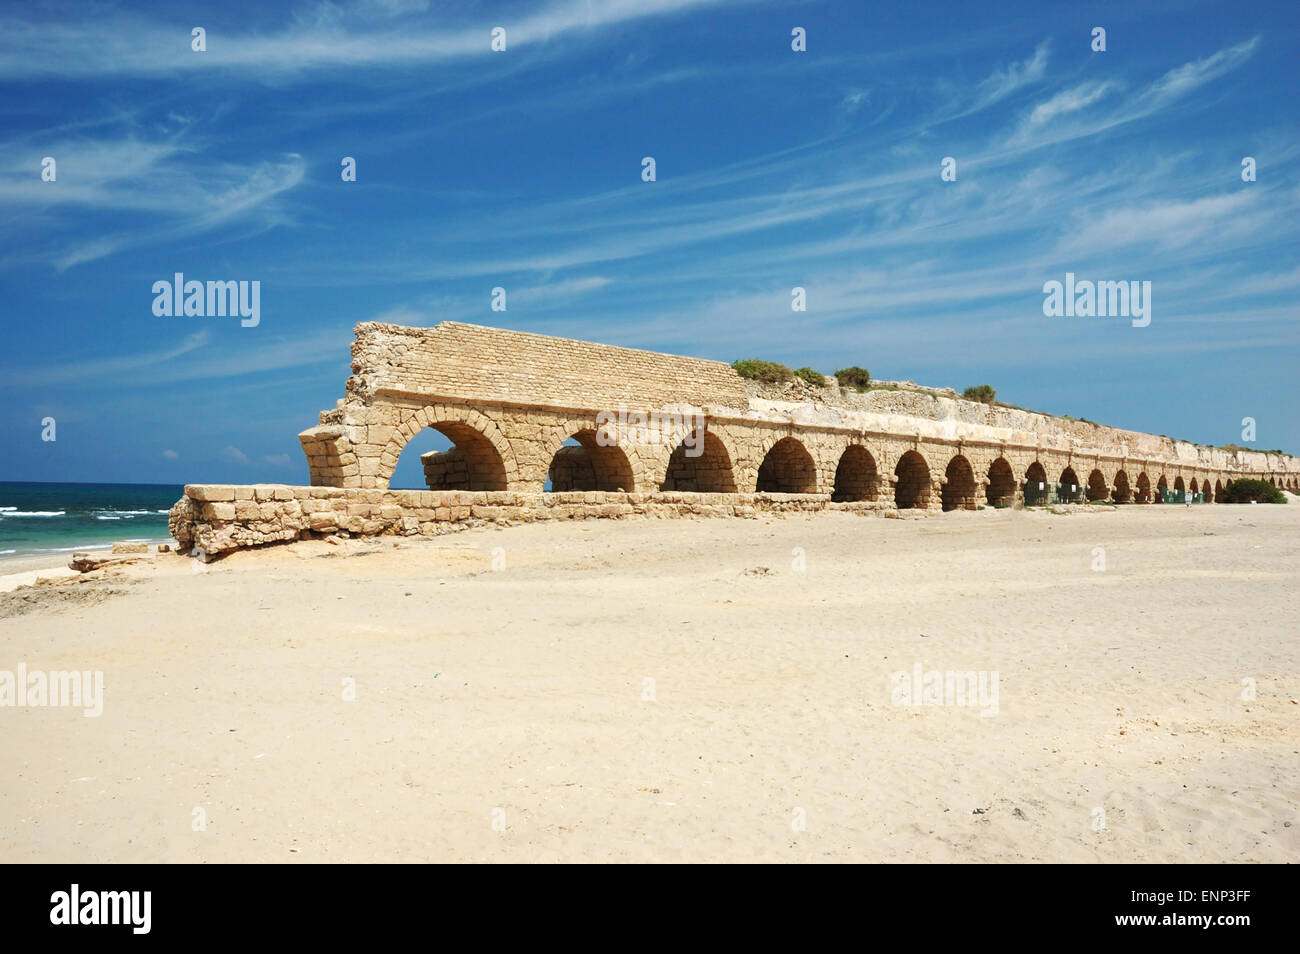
column 547, row 427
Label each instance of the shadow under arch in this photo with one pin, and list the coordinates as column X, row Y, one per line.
column 589, row 465
column 480, row 458
column 707, row 472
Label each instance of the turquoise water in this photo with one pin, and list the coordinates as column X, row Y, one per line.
column 42, row 519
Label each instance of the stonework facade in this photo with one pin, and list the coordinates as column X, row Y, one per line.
column 529, row 414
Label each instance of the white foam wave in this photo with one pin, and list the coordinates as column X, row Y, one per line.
column 34, row 513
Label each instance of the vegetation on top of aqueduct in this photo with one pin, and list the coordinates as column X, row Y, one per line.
column 1248, row 489
column 854, row 377
column 1253, row 450
column 983, row 393
column 768, row 372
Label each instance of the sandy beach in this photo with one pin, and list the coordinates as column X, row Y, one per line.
column 678, row 690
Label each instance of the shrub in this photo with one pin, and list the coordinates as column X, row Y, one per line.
column 1246, row 489
column 854, row 377
column 767, row 371
column 815, row 378
column 983, row 393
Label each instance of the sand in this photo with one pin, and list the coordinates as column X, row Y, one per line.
column 506, row 715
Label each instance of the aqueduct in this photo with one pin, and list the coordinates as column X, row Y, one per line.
column 528, row 417
column 521, row 408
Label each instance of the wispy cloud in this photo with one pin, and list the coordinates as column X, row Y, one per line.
column 1010, row 79
column 1067, row 101
column 164, row 188
column 104, row 368
column 129, row 45
column 1167, row 225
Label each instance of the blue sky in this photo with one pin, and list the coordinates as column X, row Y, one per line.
column 522, row 169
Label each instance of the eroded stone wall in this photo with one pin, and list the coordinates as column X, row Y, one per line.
column 217, row 518
column 511, row 402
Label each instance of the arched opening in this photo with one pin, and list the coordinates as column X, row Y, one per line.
column 1097, row 489
column 1123, row 493
column 583, row 464
column 700, row 470
column 855, row 476
column 1193, row 487
column 1036, row 489
column 1179, row 486
column 1069, row 489
column 449, row 456
column 1144, row 488
column 1162, row 488
column 1001, row 491
column 1207, row 491
column 788, row 468
column 913, row 487
column 1218, row 491
column 959, row 488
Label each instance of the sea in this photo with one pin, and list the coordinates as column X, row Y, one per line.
column 44, row 520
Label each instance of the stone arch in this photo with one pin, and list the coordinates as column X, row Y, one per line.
column 1218, row 491
column 1097, row 488
column 1122, row 492
column 855, row 476
column 588, row 465
column 1162, row 486
column 913, row 487
column 708, row 472
column 1069, row 479
column 1037, row 490
column 1179, row 486
column 959, row 485
column 486, row 460
column 1193, row 487
column 1001, row 491
column 787, row 468
column 1144, row 488
column 1207, row 490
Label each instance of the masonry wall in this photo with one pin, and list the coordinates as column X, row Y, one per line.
column 477, row 363
column 510, row 402
column 218, row 518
